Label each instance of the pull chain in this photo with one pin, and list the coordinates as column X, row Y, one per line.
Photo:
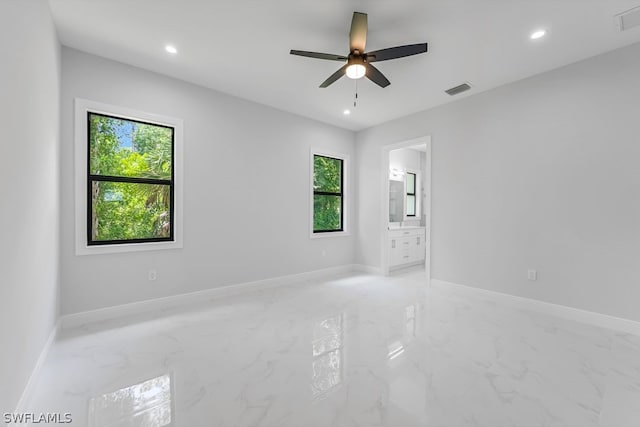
column 355, row 99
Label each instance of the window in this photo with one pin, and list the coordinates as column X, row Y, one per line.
column 130, row 181
column 328, row 194
column 411, row 193
column 128, row 167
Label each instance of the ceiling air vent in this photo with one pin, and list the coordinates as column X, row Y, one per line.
column 628, row 19
column 458, row 89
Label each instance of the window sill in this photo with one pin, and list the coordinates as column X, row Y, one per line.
column 329, row 234
column 126, row 247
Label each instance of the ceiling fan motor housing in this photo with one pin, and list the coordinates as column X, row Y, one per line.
column 356, row 58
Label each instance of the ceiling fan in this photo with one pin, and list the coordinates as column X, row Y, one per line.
column 358, row 61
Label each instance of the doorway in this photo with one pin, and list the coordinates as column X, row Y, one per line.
column 406, row 201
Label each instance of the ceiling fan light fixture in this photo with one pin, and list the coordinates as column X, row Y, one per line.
column 356, row 71
column 356, row 68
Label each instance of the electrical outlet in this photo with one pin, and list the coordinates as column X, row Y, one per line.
column 532, row 275
column 153, row 275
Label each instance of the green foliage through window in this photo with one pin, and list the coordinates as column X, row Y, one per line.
column 130, row 181
column 327, row 194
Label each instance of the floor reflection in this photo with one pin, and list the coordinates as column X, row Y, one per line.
column 410, row 313
column 145, row 404
column 397, row 347
column 328, row 355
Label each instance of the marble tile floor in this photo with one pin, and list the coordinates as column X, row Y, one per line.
column 357, row 350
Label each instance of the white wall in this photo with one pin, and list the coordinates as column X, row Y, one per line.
column 246, row 190
column 405, row 159
column 543, row 173
column 29, row 185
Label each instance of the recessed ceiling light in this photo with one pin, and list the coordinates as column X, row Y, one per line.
column 171, row 49
column 537, row 34
column 346, row 112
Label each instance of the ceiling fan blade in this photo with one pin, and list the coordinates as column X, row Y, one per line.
column 396, row 52
column 317, row 55
column 376, row 76
column 358, row 33
column 335, row 76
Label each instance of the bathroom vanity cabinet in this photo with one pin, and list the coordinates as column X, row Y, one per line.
column 406, row 246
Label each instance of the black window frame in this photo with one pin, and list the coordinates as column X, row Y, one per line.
column 329, row 193
column 415, row 184
column 131, row 180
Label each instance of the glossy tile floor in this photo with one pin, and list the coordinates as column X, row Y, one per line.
column 354, row 351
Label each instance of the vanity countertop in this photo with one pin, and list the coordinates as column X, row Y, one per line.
column 407, row 227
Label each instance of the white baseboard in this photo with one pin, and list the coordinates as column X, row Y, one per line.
column 562, row 311
column 35, row 373
column 77, row 319
column 361, row 268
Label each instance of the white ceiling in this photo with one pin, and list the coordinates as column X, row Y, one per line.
column 241, row 47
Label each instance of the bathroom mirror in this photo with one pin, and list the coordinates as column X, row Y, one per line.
column 396, row 201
